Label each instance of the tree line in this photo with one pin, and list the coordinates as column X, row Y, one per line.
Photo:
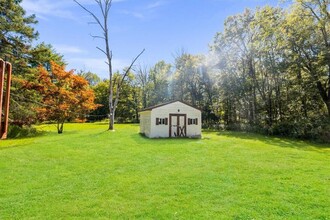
column 268, row 71
column 274, row 70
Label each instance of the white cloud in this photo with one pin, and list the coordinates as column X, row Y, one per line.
column 62, row 48
column 145, row 11
column 45, row 8
column 156, row 4
column 57, row 8
column 133, row 14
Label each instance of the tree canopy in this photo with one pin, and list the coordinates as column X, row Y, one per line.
column 65, row 96
column 16, row 34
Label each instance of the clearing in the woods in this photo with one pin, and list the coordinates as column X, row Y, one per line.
column 88, row 172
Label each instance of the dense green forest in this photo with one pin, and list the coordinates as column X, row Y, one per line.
column 268, row 71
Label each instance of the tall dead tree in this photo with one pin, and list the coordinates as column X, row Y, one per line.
column 115, row 87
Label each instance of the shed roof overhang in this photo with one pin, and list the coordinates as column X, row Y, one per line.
column 167, row 103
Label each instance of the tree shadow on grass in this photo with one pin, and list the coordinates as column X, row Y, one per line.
column 107, row 123
column 277, row 141
column 99, row 123
column 22, row 137
column 21, row 133
column 141, row 139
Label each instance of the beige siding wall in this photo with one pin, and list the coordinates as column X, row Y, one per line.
column 158, row 131
column 195, row 130
column 145, row 123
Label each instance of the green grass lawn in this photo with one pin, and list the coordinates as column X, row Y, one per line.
column 90, row 173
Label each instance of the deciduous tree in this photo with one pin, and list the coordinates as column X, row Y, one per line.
column 307, row 30
column 158, row 85
column 65, row 96
column 92, row 78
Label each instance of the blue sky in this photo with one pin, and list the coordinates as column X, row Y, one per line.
column 162, row 27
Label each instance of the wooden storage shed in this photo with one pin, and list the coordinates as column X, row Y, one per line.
column 172, row 119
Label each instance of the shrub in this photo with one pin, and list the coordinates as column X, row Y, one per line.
column 15, row 131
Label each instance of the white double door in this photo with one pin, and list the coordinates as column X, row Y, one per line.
column 178, row 127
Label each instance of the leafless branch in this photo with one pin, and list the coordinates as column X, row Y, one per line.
column 96, row 36
column 101, row 50
column 120, row 81
column 92, row 14
column 91, row 22
column 130, row 67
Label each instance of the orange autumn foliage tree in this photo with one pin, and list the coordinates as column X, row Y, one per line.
column 65, row 96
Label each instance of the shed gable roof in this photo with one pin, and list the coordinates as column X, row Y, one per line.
column 167, row 103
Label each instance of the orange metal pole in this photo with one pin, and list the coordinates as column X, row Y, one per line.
column 2, row 73
column 7, row 98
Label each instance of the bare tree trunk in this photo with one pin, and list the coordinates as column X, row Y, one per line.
column 114, row 101
column 111, row 121
column 328, row 108
column 255, row 118
column 105, row 6
column 143, row 81
column 328, row 92
column 111, row 108
column 60, row 127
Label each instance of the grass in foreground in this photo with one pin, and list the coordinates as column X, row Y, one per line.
column 89, row 172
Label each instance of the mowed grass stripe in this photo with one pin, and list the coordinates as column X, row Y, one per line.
column 88, row 172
